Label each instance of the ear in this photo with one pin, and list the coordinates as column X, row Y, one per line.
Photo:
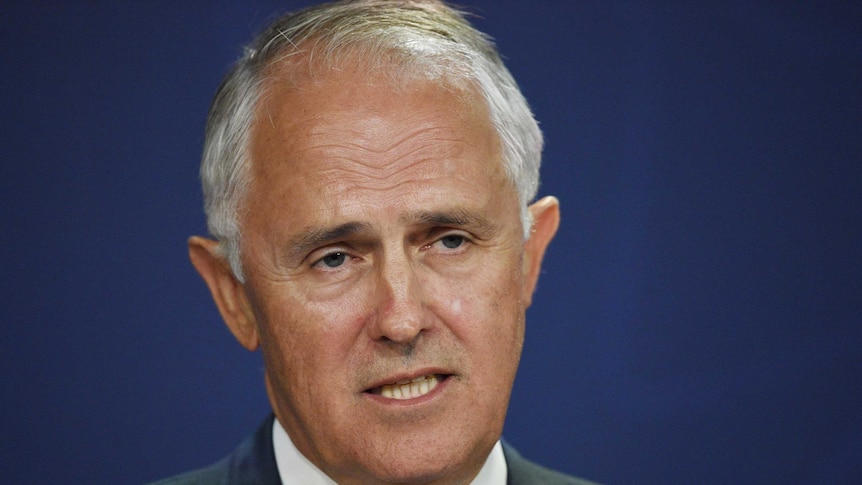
column 229, row 294
column 546, row 220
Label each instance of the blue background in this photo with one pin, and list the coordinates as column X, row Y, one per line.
column 699, row 319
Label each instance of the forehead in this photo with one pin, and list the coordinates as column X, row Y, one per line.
column 348, row 118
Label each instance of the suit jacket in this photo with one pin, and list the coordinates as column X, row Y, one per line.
column 253, row 463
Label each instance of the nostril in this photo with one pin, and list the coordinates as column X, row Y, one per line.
column 402, row 332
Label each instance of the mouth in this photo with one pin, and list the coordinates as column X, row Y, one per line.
column 409, row 388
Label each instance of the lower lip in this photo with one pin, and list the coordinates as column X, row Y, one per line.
column 442, row 385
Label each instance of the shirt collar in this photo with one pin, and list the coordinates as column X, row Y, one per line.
column 295, row 469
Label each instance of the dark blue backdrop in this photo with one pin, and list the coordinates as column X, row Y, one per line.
column 700, row 315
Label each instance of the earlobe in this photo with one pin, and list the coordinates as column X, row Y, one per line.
column 546, row 220
column 229, row 294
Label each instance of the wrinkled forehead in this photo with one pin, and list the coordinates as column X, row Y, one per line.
column 302, row 86
column 298, row 102
column 298, row 78
column 322, row 120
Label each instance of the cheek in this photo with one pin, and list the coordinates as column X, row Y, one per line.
column 457, row 307
column 307, row 341
column 483, row 307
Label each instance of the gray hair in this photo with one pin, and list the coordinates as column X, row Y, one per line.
column 420, row 39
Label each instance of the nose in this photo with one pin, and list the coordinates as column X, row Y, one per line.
column 401, row 315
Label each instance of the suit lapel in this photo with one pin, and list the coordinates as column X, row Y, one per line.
column 253, row 462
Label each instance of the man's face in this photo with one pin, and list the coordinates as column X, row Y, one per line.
column 383, row 251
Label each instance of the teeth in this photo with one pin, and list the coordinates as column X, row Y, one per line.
column 409, row 388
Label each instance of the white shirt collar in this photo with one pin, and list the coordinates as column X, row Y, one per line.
column 295, row 469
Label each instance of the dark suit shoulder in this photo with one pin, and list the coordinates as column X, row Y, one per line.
column 253, row 462
column 525, row 472
column 215, row 474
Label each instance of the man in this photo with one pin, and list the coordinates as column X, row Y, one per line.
column 367, row 172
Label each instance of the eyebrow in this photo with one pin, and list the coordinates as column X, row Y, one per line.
column 455, row 217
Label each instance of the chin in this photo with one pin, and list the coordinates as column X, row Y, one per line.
column 410, row 472
column 422, row 462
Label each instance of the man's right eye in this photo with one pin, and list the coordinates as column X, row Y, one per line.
column 332, row 260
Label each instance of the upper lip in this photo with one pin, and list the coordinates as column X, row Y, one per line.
column 407, row 376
